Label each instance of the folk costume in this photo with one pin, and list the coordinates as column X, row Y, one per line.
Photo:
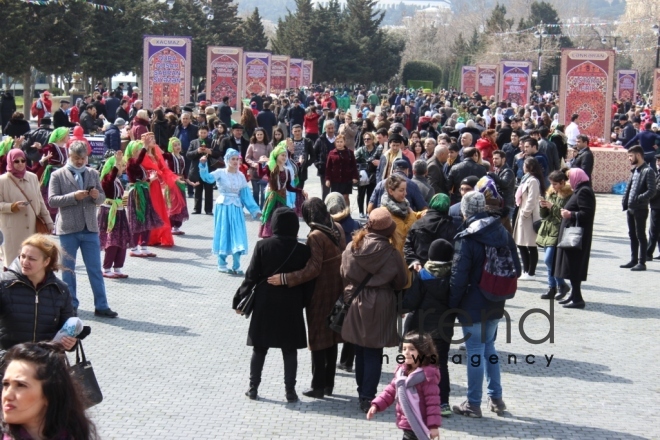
column 114, row 231
column 176, row 163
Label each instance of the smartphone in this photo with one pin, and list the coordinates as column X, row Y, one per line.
column 89, row 188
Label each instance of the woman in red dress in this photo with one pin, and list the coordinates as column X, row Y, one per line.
column 153, row 161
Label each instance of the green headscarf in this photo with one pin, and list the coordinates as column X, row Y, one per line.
column 440, row 203
column 58, row 135
column 130, row 149
column 6, row 145
column 108, row 166
column 272, row 161
column 170, row 143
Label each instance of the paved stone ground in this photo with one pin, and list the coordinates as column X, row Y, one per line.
column 175, row 364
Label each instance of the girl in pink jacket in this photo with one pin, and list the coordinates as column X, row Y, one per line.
column 415, row 389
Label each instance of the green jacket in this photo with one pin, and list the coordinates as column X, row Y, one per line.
column 548, row 234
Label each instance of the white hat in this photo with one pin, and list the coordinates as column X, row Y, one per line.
column 459, row 126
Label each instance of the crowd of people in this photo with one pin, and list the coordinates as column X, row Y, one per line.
column 451, row 191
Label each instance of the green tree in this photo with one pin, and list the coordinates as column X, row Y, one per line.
column 253, row 34
column 497, row 22
column 293, row 36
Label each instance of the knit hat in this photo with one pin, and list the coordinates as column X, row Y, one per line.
column 396, row 138
column 471, row 181
column 441, row 250
column 440, row 203
column 335, row 203
column 472, row 203
column 380, row 222
column 119, row 122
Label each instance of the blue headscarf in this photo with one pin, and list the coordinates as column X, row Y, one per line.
column 231, row 153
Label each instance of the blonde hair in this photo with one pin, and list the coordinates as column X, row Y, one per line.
column 48, row 248
column 142, row 114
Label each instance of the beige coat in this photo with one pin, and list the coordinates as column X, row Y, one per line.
column 18, row 226
column 528, row 213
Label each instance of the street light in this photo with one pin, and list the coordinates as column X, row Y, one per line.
column 540, row 33
column 615, row 38
column 656, row 30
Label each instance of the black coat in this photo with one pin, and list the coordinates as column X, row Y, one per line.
column 60, row 119
column 466, row 168
column 7, row 107
column 230, row 142
column 224, row 113
column 24, row 320
column 436, row 175
column 161, row 133
column 585, row 161
column 429, row 299
column 111, row 106
column 645, row 189
column 423, row 232
column 41, row 135
column 277, row 319
column 571, row 263
column 16, row 127
column 194, row 155
column 122, row 113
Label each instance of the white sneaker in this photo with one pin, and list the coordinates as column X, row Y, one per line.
column 527, row 277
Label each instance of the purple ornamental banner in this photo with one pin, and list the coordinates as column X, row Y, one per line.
column 166, row 71
column 626, row 85
column 515, row 81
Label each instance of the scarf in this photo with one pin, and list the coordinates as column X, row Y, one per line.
column 58, row 135
column 11, row 157
column 77, row 173
column 576, row 176
column 400, row 209
column 519, row 191
column 5, row 146
column 408, row 398
column 332, row 233
column 438, row 269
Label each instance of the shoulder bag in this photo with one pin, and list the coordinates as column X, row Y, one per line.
column 84, row 373
column 40, row 225
column 571, row 236
column 340, row 309
column 247, row 304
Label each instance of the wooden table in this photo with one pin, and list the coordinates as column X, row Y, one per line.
column 611, row 166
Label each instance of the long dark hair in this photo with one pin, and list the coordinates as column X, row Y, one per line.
column 253, row 139
column 423, row 343
column 316, row 215
column 534, row 168
column 65, row 412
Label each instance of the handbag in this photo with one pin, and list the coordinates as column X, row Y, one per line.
column 84, row 373
column 571, row 236
column 537, row 225
column 340, row 309
column 247, row 304
column 40, row 225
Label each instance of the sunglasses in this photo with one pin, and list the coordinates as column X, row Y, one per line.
column 19, row 161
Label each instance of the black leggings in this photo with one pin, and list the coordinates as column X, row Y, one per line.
column 362, row 191
column 530, row 258
column 290, row 356
column 324, row 367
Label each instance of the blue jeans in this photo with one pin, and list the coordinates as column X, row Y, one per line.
column 482, row 349
column 90, row 248
column 368, row 366
column 259, row 191
column 549, row 258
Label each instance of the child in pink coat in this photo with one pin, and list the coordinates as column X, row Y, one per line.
column 415, row 389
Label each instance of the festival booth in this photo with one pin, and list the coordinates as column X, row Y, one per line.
column 611, row 166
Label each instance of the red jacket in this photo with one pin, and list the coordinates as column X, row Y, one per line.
column 311, row 123
column 486, row 147
column 429, row 399
column 341, row 166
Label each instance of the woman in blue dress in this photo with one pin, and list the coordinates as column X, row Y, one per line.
column 230, row 234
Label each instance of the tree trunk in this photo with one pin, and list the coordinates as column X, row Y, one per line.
column 28, row 90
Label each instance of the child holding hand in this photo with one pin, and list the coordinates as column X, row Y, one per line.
column 415, row 389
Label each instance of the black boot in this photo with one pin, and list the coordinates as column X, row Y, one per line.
column 327, row 391
column 316, row 394
column 550, row 294
column 252, row 392
column 567, row 300
column 563, row 291
column 291, row 395
column 365, row 405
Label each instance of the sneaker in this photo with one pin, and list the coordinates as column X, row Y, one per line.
column 108, row 274
column 496, row 405
column 445, row 410
column 120, row 274
column 365, row 405
column 465, row 409
column 224, row 270
column 362, row 215
column 526, row 277
column 137, row 253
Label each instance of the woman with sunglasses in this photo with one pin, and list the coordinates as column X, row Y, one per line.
column 20, row 203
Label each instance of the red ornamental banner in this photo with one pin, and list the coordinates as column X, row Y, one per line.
column 586, row 89
column 295, row 73
column 656, row 89
column 224, row 68
column 469, row 79
column 279, row 74
column 487, row 80
column 626, row 85
column 308, row 73
column 515, row 81
column 256, row 73
column 166, row 71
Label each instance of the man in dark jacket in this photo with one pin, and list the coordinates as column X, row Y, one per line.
column 186, row 132
column 296, row 114
column 199, row 148
column 654, row 227
column 530, row 149
column 549, row 149
column 322, row 147
column 303, row 154
column 111, row 106
column 37, row 136
column 235, row 141
column 648, row 140
column 7, row 108
column 112, row 137
column 413, row 194
column 584, row 158
column 627, row 130
column 504, row 135
column 468, row 167
column 639, row 191
column 267, row 120
column 436, row 169
column 122, row 111
column 478, row 314
column 88, row 120
column 60, row 118
column 504, row 179
column 225, row 112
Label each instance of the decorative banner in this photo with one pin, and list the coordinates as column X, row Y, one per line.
column 487, row 80
column 166, row 71
column 469, row 79
column 308, row 73
column 626, row 85
column 279, row 74
column 295, row 73
column 224, row 70
column 256, row 73
column 656, row 89
column 586, row 89
column 515, row 81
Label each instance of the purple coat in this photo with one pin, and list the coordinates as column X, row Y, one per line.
column 429, row 399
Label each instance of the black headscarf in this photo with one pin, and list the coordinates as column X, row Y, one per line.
column 285, row 223
column 317, row 217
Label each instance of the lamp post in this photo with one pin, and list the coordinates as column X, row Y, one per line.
column 615, row 38
column 539, row 33
column 656, row 30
